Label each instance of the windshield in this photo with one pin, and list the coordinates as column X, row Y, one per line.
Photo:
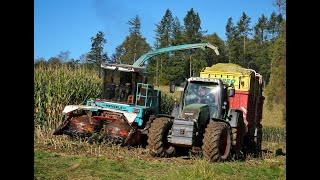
column 118, row 85
column 204, row 93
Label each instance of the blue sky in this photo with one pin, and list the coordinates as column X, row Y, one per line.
column 68, row 25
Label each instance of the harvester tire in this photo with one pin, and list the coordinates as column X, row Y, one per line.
column 158, row 144
column 217, row 142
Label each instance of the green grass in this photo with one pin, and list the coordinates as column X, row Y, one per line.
column 273, row 118
column 56, row 157
column 50, row 165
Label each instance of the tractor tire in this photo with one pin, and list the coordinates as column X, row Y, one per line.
column 158, row 144
column 145, row 131
column 148, row 123
column 217, row 142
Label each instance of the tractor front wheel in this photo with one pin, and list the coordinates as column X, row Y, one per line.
column 217, row 142
column 158, row 144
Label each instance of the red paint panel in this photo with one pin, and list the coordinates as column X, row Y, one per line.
column 240, row 101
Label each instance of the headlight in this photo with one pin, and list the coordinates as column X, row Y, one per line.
column 91, row 103
column 136, row 111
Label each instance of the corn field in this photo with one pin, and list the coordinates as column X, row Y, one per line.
column 274, row 134
column 55, row 87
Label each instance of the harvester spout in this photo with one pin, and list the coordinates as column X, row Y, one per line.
column 149, row 55
column 214, row 48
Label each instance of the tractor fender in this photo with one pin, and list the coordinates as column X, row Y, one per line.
column 222, row 120
column 233, row 117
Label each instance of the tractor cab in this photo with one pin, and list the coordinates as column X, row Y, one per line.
column 202, row 93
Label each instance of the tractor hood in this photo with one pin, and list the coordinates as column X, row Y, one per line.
column 192, row 111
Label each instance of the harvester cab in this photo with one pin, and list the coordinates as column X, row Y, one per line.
column 128, row 88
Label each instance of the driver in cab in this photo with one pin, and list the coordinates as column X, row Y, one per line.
column 204, row 96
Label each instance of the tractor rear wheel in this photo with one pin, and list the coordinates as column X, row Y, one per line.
column 217, row 142
column 158, row 144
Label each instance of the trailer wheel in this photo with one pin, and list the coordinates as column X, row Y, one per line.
column 258, row 142
column 252, row 144
column 158, row 144
column 217, row 142
column 237, row 140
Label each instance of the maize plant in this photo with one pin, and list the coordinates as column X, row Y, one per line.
column 55, row 87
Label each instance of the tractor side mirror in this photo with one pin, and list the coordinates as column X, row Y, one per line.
column 180, row 88
column 172, row 87
column 183, row 84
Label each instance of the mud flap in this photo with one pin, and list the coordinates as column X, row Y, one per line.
column 233, row 117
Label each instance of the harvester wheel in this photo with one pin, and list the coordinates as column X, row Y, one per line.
column 158, row 144
column 217, row 142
